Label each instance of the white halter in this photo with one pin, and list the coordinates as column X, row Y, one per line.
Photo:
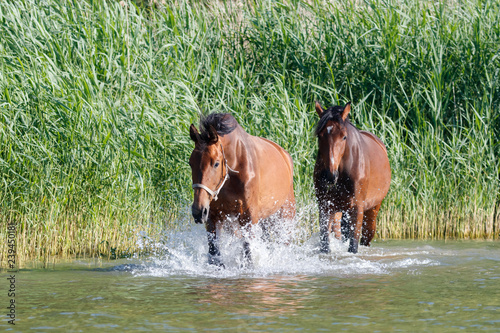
column 215, row 193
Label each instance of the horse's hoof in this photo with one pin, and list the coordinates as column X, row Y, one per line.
column 353, row 248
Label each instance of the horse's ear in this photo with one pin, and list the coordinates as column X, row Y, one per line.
column 213, row 137
column 347, row 109
column 319, row 109
column 194, row 134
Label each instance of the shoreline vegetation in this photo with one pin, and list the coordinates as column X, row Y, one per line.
column 96, row 99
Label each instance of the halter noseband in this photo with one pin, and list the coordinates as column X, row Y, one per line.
column 215, row 193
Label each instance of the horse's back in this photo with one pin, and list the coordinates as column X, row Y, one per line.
column 274, row 167
column 286, row 156
column 272, row 157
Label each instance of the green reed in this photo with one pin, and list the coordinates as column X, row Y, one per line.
column 96, row 100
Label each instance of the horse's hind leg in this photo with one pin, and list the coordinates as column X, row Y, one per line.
column 288, row 210
column 285, row 224
column 369, row 225
column 344, row 227
column 266, row 233
column 335, row 225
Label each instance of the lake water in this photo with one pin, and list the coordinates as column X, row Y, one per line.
column 408, row 286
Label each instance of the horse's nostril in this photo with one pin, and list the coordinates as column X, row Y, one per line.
column 205, row 212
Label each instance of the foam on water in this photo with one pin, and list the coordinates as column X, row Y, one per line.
column 184, row 253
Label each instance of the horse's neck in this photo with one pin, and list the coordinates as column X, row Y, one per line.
column 235, row 146
column 354, row 148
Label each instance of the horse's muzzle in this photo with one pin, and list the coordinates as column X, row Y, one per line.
column 200, row 214
column 330, row 177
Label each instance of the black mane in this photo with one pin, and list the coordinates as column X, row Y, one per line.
column 224, row 123
column 333, row 113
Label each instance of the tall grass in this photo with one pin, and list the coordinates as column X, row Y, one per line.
column 96, row 99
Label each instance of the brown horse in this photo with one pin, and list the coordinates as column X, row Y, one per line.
column 351, row 178
column 237, row 175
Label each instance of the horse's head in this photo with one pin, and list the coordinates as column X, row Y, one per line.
column 332, row 137
column 209, row 170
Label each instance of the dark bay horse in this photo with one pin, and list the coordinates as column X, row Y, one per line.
column 237, row 175
column 351, row 178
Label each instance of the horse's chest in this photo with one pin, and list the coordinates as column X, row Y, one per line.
column 231, row 207
column 342, row 193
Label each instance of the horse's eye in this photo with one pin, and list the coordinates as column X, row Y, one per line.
column 216, row 164
column 345, row 137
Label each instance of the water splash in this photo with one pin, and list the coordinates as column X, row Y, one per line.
column 184, row 252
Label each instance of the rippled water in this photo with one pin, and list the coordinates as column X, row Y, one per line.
column 392, row 286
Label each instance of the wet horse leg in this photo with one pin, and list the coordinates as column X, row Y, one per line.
column 285, row 224
column 345, row 227
column 266, row 233
column 246, row 253
column 369, row 225
column 246, row 225
column 324, row 241
column 287, row 211
column 213, row 247
column 335, row 225
column 356, row 217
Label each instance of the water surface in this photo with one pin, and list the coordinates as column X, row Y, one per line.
column 393, row 286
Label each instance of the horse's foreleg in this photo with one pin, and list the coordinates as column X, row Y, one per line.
column 246, row 253
column 246, row 223
column 213, row 247
column 356, row 217
column 324, row 241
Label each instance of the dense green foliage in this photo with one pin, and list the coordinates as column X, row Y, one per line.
column 96, row 99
